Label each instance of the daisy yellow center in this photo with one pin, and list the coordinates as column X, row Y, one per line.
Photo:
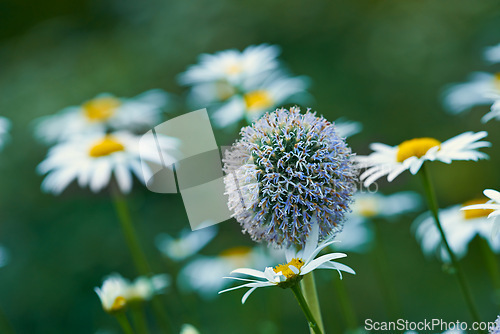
column 285, row 268
column 258, row 99
column 497, row 81
column 118, row 304
column 236, row 251
column 101, row 108
column 476, row 213
column 234, row 69
column 417, row 147
column 105, row 147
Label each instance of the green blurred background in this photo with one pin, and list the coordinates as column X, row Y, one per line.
column 383, row 63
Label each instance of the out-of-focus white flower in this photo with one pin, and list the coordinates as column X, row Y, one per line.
column 92, row 160
column 357, row 234
column 4, row 130
column 460, row 228
column 189, row 329
column 204, row 274
column 411, row 154
column 117, row 292
column 187, row 244
column 232, row 66
column 479, row 90
column 346, row 128
column 299, row 263
column 368, row 205
column 494, row 111
column 259, row 96
column 102, row 113
column 492, row 54
column 4, row 256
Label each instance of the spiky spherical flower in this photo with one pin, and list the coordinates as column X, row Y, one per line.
column 286, row 172
column 496, row 328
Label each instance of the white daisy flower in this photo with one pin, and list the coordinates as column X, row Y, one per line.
column 494, row 111
column 103, row 112
column 92, row 160
column 203, row 275
column 232, row 66
column 117, row 292
column 411, row 154
column 357, row 236
column 492, row 208
column 259, row 96
column 460, row 228
column 186, row 245
column 4, row 130
column 189, row 329
column 479, row 90
column 300, row 263
column 492, row 54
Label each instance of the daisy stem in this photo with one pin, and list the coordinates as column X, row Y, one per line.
column 345, row 302
column 434, row 208
column 492, row 267
column 383, row 273
column 313, row 325
column 311, row 296
column 138, row 256
column 139, row 319
column 124, row 323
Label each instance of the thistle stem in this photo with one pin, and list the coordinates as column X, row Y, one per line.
column 345, row 302
column 124, row 323
column 313, row 325
column 311, row 296
column 138, row 257
column 434, row 208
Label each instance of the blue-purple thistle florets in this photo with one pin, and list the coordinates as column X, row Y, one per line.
column 287, row 171
column 496, row 328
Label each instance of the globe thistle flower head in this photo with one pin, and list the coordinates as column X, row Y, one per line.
column 496, row 328
column 286, row 172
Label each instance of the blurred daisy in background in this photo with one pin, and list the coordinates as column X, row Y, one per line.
column 244, row 85
column 460, row 228
column 259, row 96
column 93, row 160
column 117, row 292
column 4, row 256
column 492, row 54
column 491, row 207
column 411, row 154
column 186, row 245
column 102, row 113
column 204, row 275
column 299, row 263
column 346, row 128
column 4, row 130
column 189, row 329
column 232, row 66
column 358, row 234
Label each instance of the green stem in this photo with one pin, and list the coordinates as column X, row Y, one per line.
column 313, row 325
column 345, row 303
column 124, row 323
column 5, row 326
column 382, row 270
column 311, row 295
column 491, row 262
column 138, row 257
column 434, row 208
column 139, row 319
